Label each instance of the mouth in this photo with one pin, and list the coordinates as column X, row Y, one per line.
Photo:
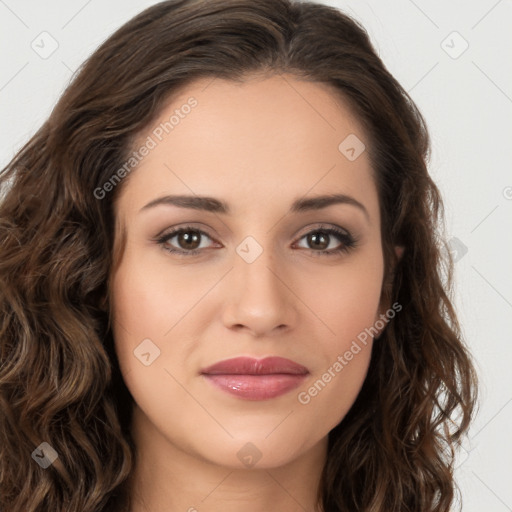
column 253, row 379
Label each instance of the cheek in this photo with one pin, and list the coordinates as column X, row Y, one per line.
column 332, row 391
column 344, row 298
column 148, row 299
column 144, row 308
column 152, row 306
column 137, row 313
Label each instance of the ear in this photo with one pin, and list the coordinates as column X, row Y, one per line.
column 387, row 289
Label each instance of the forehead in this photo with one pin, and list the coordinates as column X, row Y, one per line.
column 265, row 139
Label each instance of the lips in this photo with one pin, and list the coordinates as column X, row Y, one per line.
column 250, row 366
column 254, row 379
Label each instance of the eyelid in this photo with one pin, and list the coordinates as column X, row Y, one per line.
column 193, row 226
column 320, row 226
column 179, row 227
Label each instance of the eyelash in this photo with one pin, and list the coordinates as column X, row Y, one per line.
column 348, row 242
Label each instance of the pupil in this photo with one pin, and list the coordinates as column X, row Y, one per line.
column 314, row 239
column 188, row 239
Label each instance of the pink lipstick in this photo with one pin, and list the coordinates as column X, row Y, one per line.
column 256, row 379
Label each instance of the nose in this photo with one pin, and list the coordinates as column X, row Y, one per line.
column 259, row 296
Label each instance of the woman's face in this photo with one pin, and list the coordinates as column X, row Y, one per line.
column 258, row 284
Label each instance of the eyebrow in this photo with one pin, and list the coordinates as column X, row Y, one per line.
column 211, row 204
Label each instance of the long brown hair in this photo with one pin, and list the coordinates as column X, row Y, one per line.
column 60, row 382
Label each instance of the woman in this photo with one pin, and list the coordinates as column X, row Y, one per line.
column 223, row 286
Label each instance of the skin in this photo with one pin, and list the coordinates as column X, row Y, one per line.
column 258, row 146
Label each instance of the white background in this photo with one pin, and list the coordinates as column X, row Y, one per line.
column 467, row 102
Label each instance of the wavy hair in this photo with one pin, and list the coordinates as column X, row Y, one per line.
column 60, row 381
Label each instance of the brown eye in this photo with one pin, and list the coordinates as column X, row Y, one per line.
column 185, row 240
column 188, row 239
column 319, row 240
